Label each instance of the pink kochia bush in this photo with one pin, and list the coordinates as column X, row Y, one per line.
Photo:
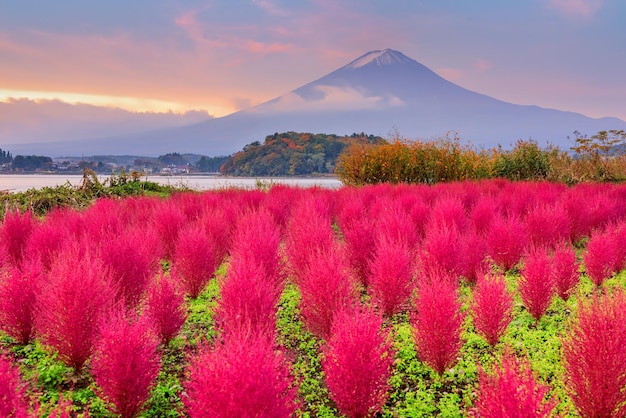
column 18, row 294
column 548, row 224
column 492, row 307
column 474, row 259
column 167, row 221
column 601, row 257
column 13, row 400
column 194, row 260
column 256, row 239
column 437, row 322
column 442, row 250
column 357, row 364
column 594, row 356
column 511, row 391
column 77, row 295
column 14, row 232
column 132, row 258
column 326, row 288
column 536, row 283
column 565, row 270
column 391, row 276
column 126, row 363
column 248, row 302
column 218, row 226
column 506, row 240
column 165, row 308
column 242, row 377
column 308, row 228
column 358, row 232
column 46, row 240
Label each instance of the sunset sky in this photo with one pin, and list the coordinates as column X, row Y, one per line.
column 222, row 56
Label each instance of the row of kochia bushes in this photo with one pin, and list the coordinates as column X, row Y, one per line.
column 600, row 157
column 107, row 291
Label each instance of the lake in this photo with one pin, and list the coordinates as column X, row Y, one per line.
column 21, row 182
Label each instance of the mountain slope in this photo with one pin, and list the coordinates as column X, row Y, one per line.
column 378, row 93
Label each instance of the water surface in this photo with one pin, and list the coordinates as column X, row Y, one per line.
column 21, row 182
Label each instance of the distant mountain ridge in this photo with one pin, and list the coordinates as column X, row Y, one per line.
column 378, row 93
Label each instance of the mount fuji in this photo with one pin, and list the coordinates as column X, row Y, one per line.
column 378, row 93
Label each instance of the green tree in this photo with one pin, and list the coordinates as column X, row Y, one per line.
column 292, row 153
column 601, row 145
column 32, row 162
column 210, row 164
column 603, row 153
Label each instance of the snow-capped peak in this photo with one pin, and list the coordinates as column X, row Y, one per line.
column 379, row 57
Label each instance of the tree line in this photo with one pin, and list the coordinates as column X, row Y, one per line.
column 293, row 154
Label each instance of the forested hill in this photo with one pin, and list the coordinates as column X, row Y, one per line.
column 292, row 154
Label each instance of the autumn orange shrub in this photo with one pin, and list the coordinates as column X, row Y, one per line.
column 404, row 161
column 596, row 158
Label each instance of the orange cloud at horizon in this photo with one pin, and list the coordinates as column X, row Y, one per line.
column 132, row 104
column 125, row 72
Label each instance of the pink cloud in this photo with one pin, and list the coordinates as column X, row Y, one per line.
column 230, row 37
column 265, row 48
column 481, row 65
column 450, row 74
column 23, row 120
column 474, row 68
column 576, row 8
column 271, row 8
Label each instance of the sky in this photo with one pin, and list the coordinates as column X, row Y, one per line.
column 216, row 56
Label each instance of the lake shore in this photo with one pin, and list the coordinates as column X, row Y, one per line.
column 15, row 183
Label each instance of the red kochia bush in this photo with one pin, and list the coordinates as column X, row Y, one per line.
column 391, row 279
column 13, row 400
column 474, row 259
column 14, row 232
column 308, row 228
column 243, row 377
column 248, row 301
column 394, row 223
column 217, row 223
column 547, row 224
column 442, row 251
column 326, row 287
column 76, row 296
column 482, row 214
column 63, row 409
column 194, row 260
column 358, row 233
column 448, row 212
column 165, row 308
column 594, row 356
column 45, row 241
column 18, row 294
column 167, row 221
column 536, row 283
column 437, row 323
column 256, row 239
column 511, row 391
column 565, row 270
column 126, row 363
column 492, row 307
column 132, row 257
column 358, row 363
column 506, row 241
column 601, row 257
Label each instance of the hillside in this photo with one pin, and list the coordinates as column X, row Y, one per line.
column 292, row 154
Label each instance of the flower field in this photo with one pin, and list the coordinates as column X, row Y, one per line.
column 490, row 298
